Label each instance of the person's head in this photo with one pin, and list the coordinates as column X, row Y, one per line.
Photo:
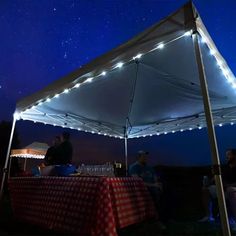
column 57, row 140
column 65, row 136
column 231, row 155
column 142, row 157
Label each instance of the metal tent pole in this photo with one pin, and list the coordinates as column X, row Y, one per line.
column 7, row 158
column 25, row 164
column 212, row 137
column 9, row 167
column 126, row 157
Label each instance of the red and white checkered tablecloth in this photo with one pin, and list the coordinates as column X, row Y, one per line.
column 93, row 206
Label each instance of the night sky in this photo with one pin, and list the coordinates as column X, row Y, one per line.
column 41, row 41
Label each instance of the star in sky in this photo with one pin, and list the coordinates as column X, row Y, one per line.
column 65, row 55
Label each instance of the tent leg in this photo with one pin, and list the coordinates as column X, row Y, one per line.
column 9, row 168
column 212, row 138
column 25, row 164
column 7, row 158
column 126, row 157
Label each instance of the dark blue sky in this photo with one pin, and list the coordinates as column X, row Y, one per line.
column 44, row 40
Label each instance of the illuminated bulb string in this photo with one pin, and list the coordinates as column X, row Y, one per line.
column 220, row 63
column 120, row 64
column 138, row 56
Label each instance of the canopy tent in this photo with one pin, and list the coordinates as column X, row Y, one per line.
column 34, row 150
column 147, row 86
column 153, row 84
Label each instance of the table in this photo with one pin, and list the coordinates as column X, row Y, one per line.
column 94, row 206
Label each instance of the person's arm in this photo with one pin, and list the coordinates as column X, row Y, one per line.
column 134, row 171
column 156, row 181
column 155, row 184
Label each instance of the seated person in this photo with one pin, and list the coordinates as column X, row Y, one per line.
column 229, row 181
column 147, row 173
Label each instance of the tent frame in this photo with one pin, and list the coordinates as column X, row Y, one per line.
column 5, row 169
column 212, row 138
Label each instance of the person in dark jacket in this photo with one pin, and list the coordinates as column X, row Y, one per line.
column 65, row 150
column 52, row 152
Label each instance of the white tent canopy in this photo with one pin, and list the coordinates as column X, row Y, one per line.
column 147, row 86
column 35, row 150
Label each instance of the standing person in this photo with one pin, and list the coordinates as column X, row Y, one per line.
column 65, row 150
column 52, row 152
column 141, row 169
column 229, row 182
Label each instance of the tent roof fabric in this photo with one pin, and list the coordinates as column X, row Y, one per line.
column 147, row 86
column 35, row 150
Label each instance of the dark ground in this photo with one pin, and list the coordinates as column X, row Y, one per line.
column 183, row 187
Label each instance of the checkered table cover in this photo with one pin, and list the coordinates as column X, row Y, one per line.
column 83, row 206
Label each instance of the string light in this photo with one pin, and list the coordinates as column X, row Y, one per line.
column 66, row 91
column 203, row 40
column 188, row 33
column 219, row 63
column 119, row 65
column 138, row 56
column 160, row 46
column 48, row 100
column 89, row 80
column 104, row 73
column 212, row 52
column 77, row 85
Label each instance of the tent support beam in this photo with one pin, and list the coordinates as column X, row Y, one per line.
column 7, row 158
column 25, row 164
column 126, row 156
column 212, row 137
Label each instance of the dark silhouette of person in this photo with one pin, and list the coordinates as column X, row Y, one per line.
column 65, row 150
column 229, row 183
column 52, row 152
column 141, row 169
